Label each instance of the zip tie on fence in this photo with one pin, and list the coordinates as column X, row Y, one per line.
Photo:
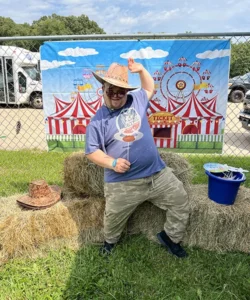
column 18, row 126
column 18, row 123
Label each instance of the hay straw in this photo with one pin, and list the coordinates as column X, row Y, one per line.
column 181, row 167
column 23, row 231
column 83, row 178
column 211, row 226
column 76, row 222
column 219, row 227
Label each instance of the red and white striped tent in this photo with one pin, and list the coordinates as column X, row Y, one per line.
column 96, row 104
column 154, row 107
column 195, row 118
column 72, row 119
column 173, row 104
column 195, row 113
column 211, row 103
column 60, row 104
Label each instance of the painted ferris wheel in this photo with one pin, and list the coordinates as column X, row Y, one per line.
column 87, row 85
column 178, row 81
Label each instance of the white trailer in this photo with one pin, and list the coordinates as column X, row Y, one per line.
column 20, row 81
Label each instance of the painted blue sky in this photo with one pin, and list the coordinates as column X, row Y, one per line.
column 68, row 64
column 142, row 15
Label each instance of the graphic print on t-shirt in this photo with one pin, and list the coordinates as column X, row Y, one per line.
column 128, row 124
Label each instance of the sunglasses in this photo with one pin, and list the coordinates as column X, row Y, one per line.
column 110, row 92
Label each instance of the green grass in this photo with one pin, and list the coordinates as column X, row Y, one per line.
column 139, row 269
column 18, row 168
column 198, row 161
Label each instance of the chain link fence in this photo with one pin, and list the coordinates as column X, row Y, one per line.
column 21, row 113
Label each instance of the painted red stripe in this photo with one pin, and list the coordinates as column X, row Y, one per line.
column 72, row 124
column 168, row 143
column 199, row 126
column 65, row 128
column 216, row 126
column 50, row 126
column 183, row 124
column 57, row 126
column 175, row 135
column 208, row 126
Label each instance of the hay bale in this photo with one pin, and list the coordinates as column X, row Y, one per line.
column 211, row 226
column 83, row 178
column 219, row 227
column 181, row 167
column 23, row 231
column 75, row 222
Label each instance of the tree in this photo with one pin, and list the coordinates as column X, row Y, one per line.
column 46, row 25
column 7, row 27
column 80, row 25
column 49, row 26
column 240, row 59
column 71, row 25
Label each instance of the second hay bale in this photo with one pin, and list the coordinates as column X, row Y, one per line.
column 81, row 177
column 84, row 178
column 23, row 232
column 80, row 221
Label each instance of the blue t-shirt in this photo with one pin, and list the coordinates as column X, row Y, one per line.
column 125, row 133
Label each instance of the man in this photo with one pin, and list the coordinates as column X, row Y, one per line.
column 119, row 139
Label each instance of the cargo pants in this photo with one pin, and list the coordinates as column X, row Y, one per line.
column 163, row 189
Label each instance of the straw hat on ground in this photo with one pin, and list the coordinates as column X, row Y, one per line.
column 116, row 75
column 41, row 195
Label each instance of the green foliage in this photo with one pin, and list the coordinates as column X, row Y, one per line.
column 47, row 25
column 79, row 25
column 7, row 27
column 50, row 26
column 240, row 58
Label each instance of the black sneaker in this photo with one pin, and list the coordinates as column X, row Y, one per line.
column 106, row 249
column 173, row 248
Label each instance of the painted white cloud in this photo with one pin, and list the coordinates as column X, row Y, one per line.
column 46, row 65
column 213, row 54
column 145, row 53
column 75, row 52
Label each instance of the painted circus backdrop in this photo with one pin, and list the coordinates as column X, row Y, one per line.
column 187, row 112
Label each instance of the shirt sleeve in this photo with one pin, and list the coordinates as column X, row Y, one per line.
column 140, row 96
column 93, row 139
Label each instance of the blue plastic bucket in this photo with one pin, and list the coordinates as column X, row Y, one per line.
column 222, row 190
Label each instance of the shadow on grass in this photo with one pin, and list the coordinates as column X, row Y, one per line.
column 141, row 269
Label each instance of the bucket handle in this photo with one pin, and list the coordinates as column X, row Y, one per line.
column 244, row 176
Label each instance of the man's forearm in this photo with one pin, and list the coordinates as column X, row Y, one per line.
column 101, row 159
column 119, row 165
column 147, row 82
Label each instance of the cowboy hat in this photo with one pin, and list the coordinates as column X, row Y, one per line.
column 116, row 75
column 41, row 195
